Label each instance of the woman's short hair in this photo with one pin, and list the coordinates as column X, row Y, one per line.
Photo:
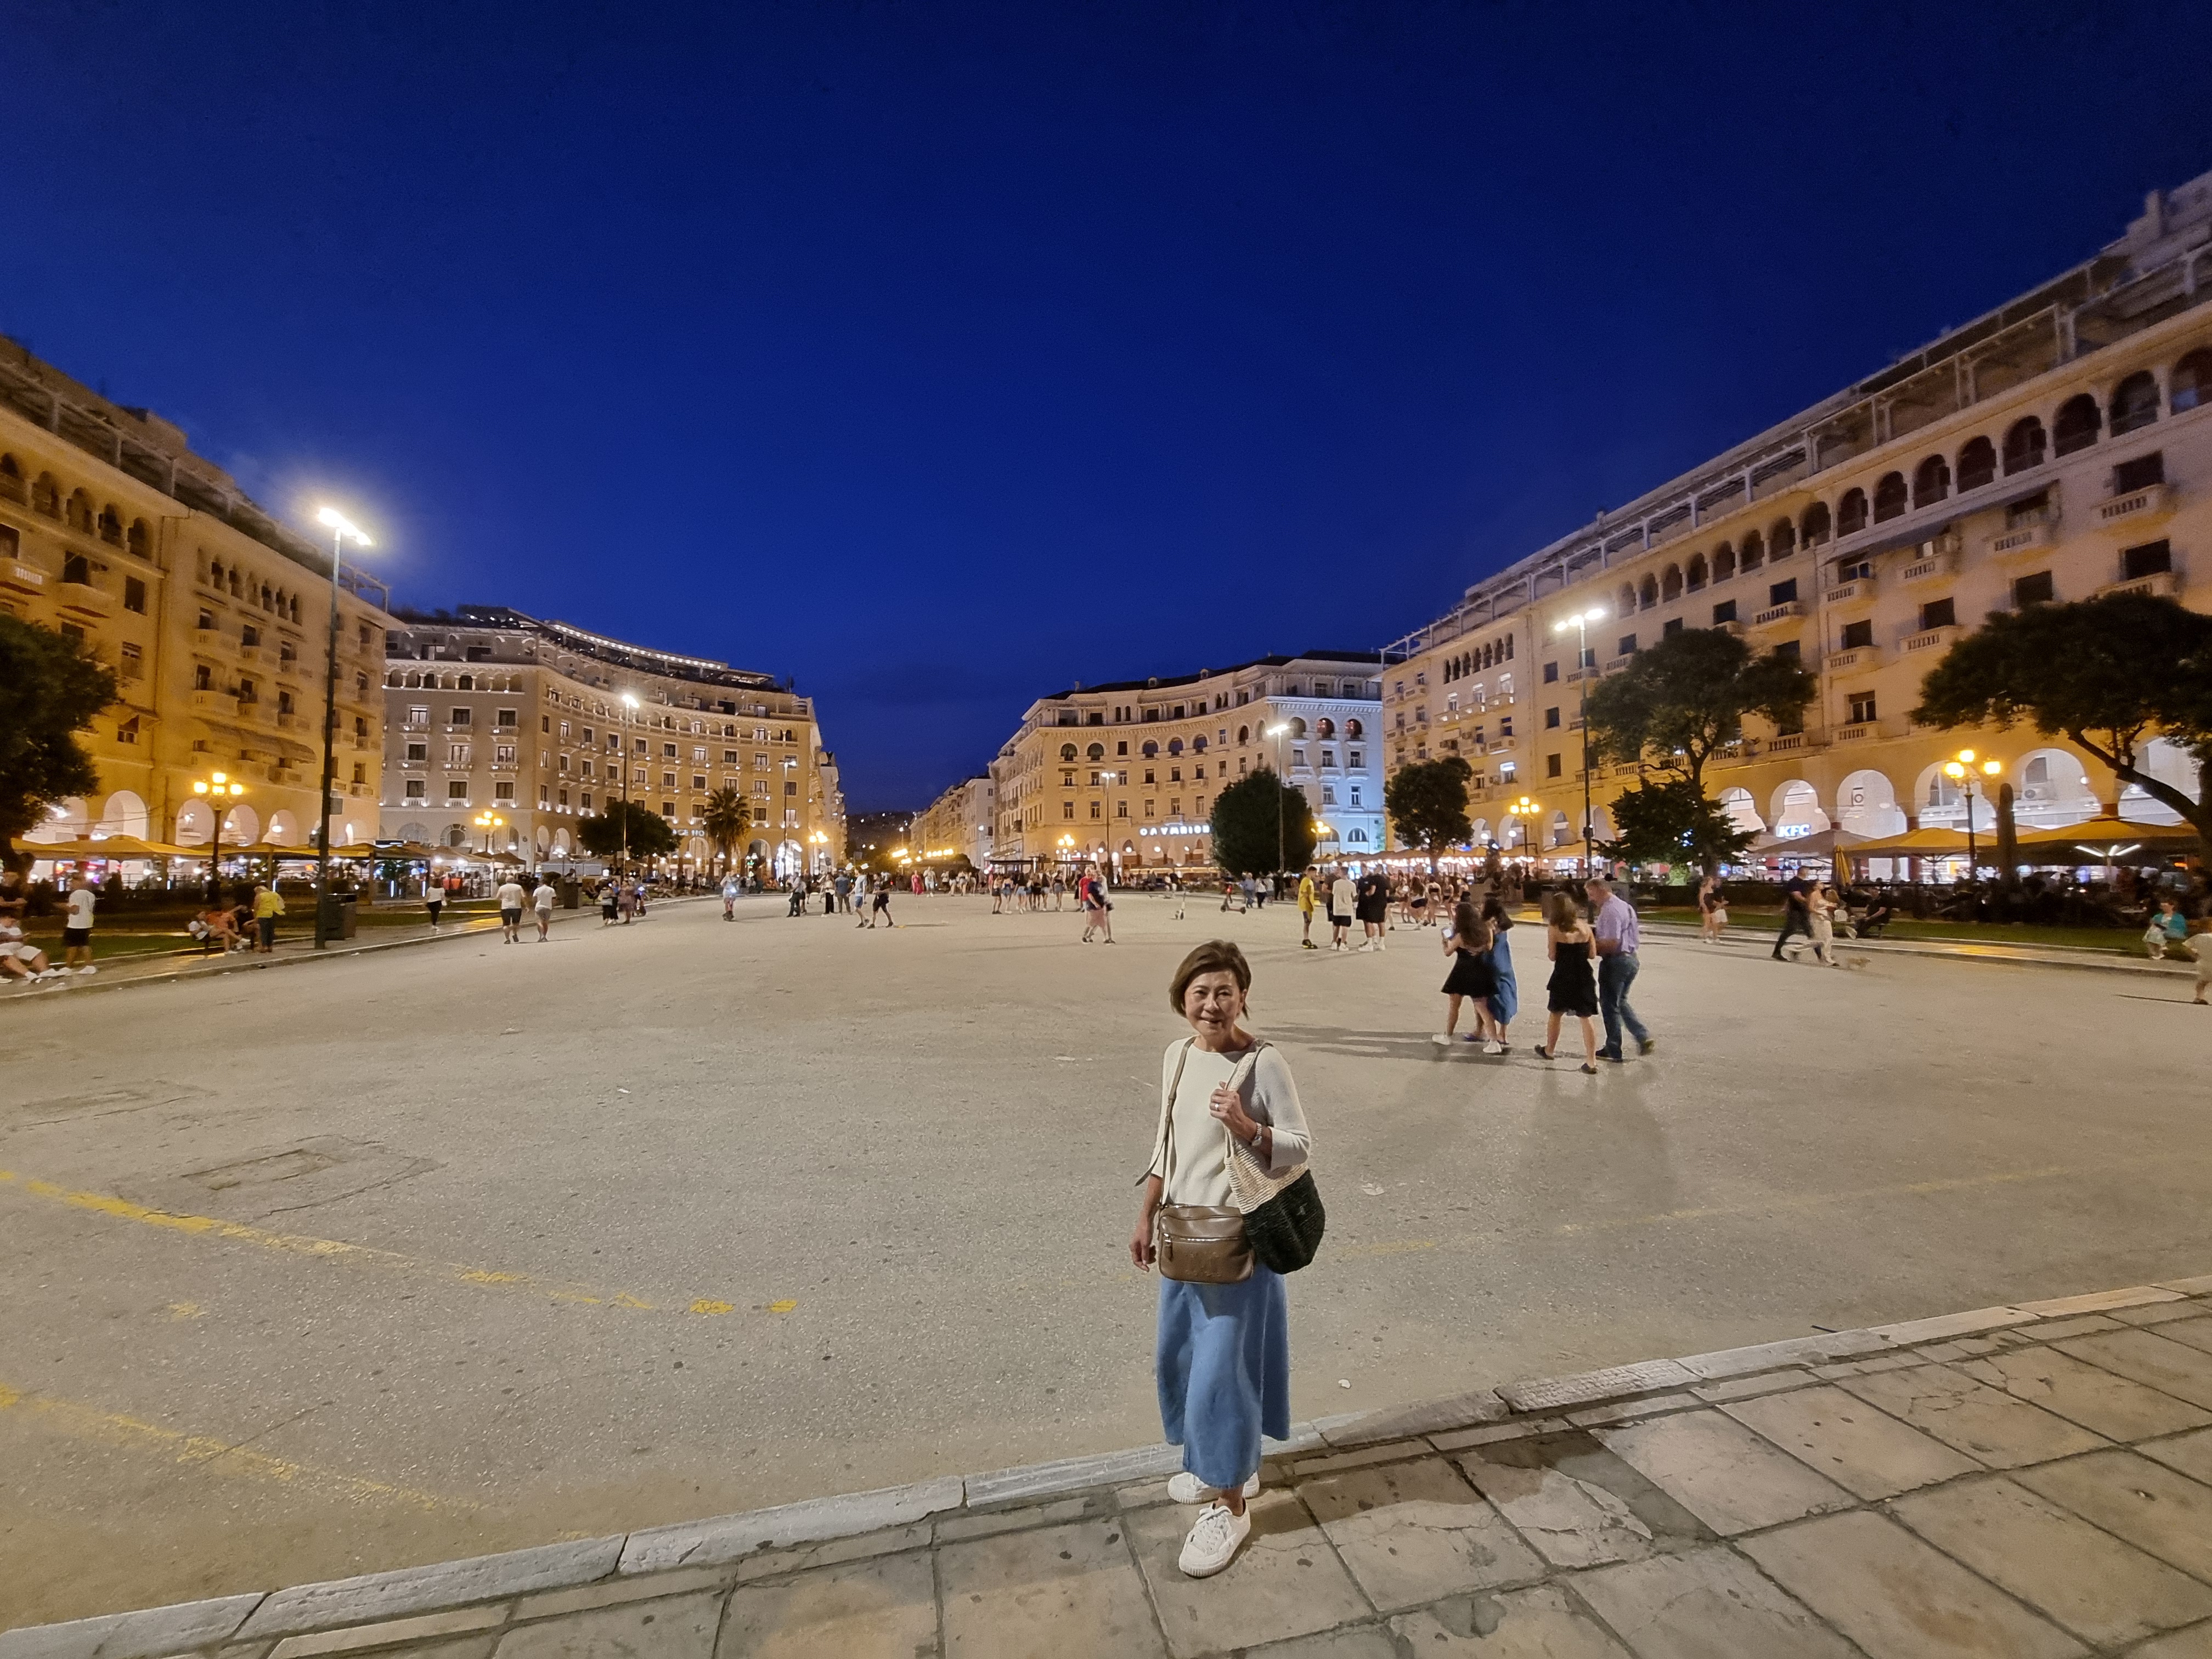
column 1559, row 910
column 1216, row 955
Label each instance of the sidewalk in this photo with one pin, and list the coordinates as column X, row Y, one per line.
column 2015, row 1482
column 160, row 967
column 2030, row 955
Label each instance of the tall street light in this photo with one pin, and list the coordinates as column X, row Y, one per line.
column 1526, row 811
column 341, row 530
column 629, row 710
column 222, row 793
column 1580, row 622
column 1964, row 770
column 1276, row 732
column 488, row 821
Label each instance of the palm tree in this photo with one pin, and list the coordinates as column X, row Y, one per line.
column 727, row 820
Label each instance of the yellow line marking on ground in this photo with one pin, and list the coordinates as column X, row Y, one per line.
column 123, row 1209
column 81, row 1422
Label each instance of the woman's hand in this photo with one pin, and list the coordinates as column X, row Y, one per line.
column 1228, row 1108
column 1142, row 1248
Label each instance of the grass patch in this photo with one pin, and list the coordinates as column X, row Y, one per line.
column 2117, row 941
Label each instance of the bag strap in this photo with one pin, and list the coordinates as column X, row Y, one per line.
column 1167, row 1114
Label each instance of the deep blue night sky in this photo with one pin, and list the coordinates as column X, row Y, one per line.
column 941, row 356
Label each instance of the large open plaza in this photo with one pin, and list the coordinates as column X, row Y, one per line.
column 432, row 1251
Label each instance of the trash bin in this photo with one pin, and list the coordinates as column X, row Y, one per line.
column 571, row 891
column 339, row 916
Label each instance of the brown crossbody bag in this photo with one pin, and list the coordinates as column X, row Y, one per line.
column 1199, row 1243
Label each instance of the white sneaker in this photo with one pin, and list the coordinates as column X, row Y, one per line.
column 88, row 969
column 1441, row 1040
column 1369, row 945
column 1493, row 1047
column 1188, row 1488
column 1214, row 1540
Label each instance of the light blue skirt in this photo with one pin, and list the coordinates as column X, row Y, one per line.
column 1224, row 1367
column 1506, row 1000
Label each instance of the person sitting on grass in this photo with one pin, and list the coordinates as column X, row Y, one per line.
column 19, row 959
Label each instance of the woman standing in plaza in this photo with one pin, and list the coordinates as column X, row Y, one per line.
column 1712, row 910
column 1573, row 986
column 1467, row 945
column 1222, row 1359
column 1505, row 999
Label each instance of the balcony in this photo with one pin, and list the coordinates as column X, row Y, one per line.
column 1617, row 664
column 215, row 703
column 1788, row 611
column 1858, row 658
column 85, row 599
column 2163, row 583
column 1935, row 564
column 2137, row 506
column 1731, row 626
column 1935, row 639
column 2027, row 538
column 1857, row 591
column 23, row 578
column 1855, row 733
column 1503, row 746
column 1792, row 743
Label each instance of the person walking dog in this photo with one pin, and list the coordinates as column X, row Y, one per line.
column 1223, row 1356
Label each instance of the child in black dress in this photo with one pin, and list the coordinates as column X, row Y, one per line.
column 1467, row 945
column 1573, row 988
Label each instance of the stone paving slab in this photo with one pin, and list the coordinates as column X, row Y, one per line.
column 2008, row 1483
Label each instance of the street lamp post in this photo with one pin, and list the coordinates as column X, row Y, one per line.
column 1526, row 811
column 629, row 711
column 488, row 821
column 222, row 795
column 1967, row 772
column 1580, row 621
column 340, row 530
column 1276, row 732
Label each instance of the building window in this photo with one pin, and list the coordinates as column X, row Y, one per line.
column 1328, row 794
column 132, row 661
column 1121, row 809
column 2037, row 589
column 1551, row 719
column 1551, row 673
column 134, row 595
column 1938, row 613
column 2139, row 473
column 457, row 789
column 127, row 731
column 2077, row 424
column 1782, row 592
column 2148, row 560
column 699, row 783
column 503, row 792
column 1857, row 635
column 416, row 789
column 584, row 801
column 462, row 717
column 457, row 754
column 1094, row 806
column 1862, row 710
column 1627, row 646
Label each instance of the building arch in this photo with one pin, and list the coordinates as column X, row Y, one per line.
column 2190, row 385
column 1562, row 830
column 125, row 814
column 195, row 821
column 78, row 512
column 1851, row 513
column 1067, row 752
column 1814, row 528
column 2023, row 445
column 46, row 495
column 1866, row 804
column 1753, row 552
column 2135, row 402
column 1648, row 594
column 1782, row 538
column 1151, row 749
column 1931, row 481
column 67, row 819
column 1354, row 729
column 1096, row 751
column 2169, row 762
column 110, row 525
column 243, row 827
column 1696, row 576
column 1794, row 809
column 417, row 833
column 1724, row 563
column 1890, row 497
column 1244, row 735
column 1942, row 806
column 1479, row 833
column 562, row 847
column 1198, row 744
column 2051, row 789
column 1625, row 601
column 1742, row 811
column 2076, row 425
column 1670, row 583
column 1298, row 726
column 284, row 831
column 1325, row 727
column 1978, row 464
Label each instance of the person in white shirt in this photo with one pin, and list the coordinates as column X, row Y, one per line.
column 510, row 909
column 76, row 934
column 541, row 903
column 19, row 960
column 731, row 889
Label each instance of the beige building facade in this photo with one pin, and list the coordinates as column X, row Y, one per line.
column 212, row 614
column 961, row 821
column 1126, row 773
column 2059, row 447
column 491, row 712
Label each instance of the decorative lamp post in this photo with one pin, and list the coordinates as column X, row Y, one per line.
column 341, row 530
column 1276, row 732
column 818, row 840
column 1580, row 622
column 1526, row 811
column 488, row 821
column 630, row 709
column 222, row 793
column 1967, row 772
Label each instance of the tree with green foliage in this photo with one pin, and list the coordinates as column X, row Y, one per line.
column 1670, row 821
column 603, row 837
column 50, row 687
column 2109, row 674
column 1246, row 819
column 726, row 819
column 1427, row 804
column 1683, row 699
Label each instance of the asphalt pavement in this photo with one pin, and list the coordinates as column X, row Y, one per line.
column 431, row 1252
